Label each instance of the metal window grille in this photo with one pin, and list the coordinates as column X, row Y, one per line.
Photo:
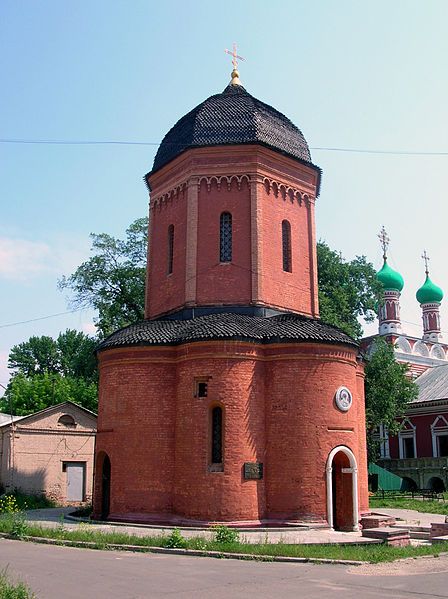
column 225, row 240
column 217, row 435
column 286, row 246
column 170, row 248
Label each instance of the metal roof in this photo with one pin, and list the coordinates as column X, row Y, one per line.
column 433, row 384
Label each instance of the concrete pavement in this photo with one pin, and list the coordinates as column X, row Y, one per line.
column 67, row 573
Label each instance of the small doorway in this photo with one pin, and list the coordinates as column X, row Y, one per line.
column 342, row 490
column 105, row 488
column 76, row 476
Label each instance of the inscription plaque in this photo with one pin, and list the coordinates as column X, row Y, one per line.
column 253, row 470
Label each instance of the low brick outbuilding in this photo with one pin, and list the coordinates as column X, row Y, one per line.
column 49, row 452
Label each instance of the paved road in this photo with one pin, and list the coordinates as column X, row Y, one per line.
column 68, row 573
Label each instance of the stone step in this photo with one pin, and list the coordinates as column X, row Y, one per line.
column 391, row 536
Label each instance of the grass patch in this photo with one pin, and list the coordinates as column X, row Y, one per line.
column 407, row 503
column 9, row 590
column 102, row 540
column 32, row 502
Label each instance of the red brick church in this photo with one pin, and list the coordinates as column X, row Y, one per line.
column 231, row 402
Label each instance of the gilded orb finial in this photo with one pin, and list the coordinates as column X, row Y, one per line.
column 235, row 76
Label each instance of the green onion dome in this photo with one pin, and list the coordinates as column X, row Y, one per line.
column 390, row 278
column 429, row 292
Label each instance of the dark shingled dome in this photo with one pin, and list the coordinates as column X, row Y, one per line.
column 284, row 328
column 233, row 117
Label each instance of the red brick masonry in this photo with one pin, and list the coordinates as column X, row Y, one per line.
column 279, row 410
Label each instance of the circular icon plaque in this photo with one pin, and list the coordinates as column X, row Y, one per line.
column 343, row 399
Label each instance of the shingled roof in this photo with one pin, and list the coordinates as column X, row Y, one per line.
column 233, row 117
column 284, row 328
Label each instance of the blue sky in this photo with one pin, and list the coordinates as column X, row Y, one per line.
column 350, row 74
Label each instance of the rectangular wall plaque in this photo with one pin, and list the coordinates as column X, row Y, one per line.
column 253, row 470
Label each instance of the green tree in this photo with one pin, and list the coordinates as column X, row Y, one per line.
column 49, row 371
column 347, row 290
column 26, row 395
column 113, row 280
column 71, row 354
column 77, row 355
column 35, row 356
column 388, row 390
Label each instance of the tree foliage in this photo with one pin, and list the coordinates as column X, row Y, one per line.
column 347, row 290
column 71, row 355
column 113, row 280
column 49, row 371
column 26, row 395
column 388, row 390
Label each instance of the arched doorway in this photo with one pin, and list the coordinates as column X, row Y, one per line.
column 436, row 484
column 408, row 484
column 342, row 489
column 105, row 488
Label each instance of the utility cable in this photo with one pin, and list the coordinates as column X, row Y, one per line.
column 116, row 142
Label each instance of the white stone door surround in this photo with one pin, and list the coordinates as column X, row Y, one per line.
column 354, row 472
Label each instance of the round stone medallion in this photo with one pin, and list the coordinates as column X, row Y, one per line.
column 343, row 399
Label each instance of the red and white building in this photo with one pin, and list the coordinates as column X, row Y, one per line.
column 419, row 453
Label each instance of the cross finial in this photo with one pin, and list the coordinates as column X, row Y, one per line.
column 235, row 75
column 426, row 259
column 384, row 240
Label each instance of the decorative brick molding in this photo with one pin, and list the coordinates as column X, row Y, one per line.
column 279, row 189
column 169, row 196
column 224, row 179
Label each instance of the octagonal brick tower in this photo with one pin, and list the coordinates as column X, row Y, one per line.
column 237, row 156
column 231, row 402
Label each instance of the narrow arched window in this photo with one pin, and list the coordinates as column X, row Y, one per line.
column 217, row 435
column 286, row 246
column 225, row 237
column 170, row 248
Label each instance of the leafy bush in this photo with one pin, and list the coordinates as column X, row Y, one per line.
column 226, row 535
column 176, row 540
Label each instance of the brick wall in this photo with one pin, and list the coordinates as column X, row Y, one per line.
column 260, row 188
column 278, row 405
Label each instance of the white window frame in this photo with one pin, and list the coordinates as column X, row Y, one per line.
column 438, row 431
column 384, row 442
column 406, row 434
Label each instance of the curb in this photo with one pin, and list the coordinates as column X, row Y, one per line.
column 188, row 552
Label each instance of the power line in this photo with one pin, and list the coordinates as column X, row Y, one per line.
column 13, row 324
column 116, row 142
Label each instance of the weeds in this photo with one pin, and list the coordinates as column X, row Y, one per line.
column 225, row 535
column 9, row 590
column 175, row 540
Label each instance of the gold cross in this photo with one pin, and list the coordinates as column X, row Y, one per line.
column 384, row 240
column 234, row 56
column 426, row 259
